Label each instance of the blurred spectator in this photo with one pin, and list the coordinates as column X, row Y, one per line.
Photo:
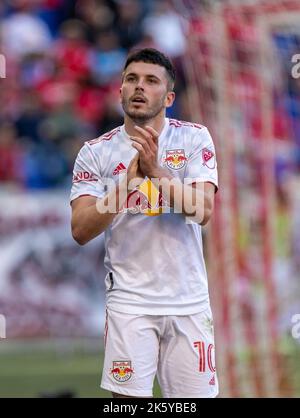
column 108, row 58
column 72, row 51
column 57, row 89
column 129, row 22
column 97, row 14
column 113, row 114
column 60, row 123
column 167, row 29
column 23, row 32
column 31, row 116
column 54, row 12
column 11, row 155
column 35, row 68
column 90, row 102
column 45, row 166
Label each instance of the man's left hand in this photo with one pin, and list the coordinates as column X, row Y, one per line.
column 147, row 145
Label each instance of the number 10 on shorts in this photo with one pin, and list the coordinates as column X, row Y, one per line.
column 205, row 355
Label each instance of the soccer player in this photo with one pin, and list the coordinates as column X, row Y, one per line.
column 159, row 320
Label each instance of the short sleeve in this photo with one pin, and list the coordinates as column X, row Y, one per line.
column 202, row 162
column 86, row 175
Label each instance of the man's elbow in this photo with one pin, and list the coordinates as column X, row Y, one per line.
column 204, row 221
column 206, row 216
column 79, row 237
column 204, row 205
column 200, row 217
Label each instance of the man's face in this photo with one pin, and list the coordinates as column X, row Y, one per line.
column 144, row 91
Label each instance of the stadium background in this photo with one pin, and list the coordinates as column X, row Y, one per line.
column 235, row 75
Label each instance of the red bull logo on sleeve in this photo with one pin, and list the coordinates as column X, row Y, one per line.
column 175, row 159
column 122, row 371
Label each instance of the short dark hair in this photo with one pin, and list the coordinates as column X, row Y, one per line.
column 153, row 56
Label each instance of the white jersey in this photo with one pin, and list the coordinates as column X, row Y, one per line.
column 155, row 264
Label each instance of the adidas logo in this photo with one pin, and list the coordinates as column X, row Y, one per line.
column 119, row 169
column 212, row 380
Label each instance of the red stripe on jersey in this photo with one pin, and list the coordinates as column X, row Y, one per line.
column 105, row 137
column 109, row 135
column 180, row 123
column 175, row 122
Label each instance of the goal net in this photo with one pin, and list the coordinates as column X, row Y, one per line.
column 241, row 70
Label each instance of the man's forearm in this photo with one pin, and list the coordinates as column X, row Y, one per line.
column 88, row 223
column 182, row 197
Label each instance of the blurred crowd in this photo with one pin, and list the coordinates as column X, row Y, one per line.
column 64, row 59
column 63, row 64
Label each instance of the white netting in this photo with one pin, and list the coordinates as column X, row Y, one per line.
column 238, row 65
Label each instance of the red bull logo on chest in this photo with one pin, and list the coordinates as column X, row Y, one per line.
column 122, row 371
column 175, row 159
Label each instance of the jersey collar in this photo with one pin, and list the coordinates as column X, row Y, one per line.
column 162, row 134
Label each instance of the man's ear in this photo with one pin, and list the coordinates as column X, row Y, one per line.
column 169, row 100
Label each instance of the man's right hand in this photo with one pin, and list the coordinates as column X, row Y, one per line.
column 134, row 171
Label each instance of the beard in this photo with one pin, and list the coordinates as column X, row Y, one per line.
column 142, row 116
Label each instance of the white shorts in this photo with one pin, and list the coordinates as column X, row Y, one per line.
column 179, row 349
